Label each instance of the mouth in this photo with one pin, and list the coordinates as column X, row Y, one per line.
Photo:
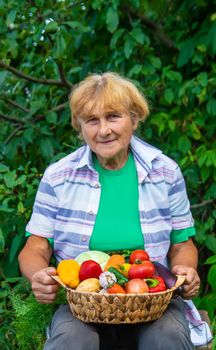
column 106, row 142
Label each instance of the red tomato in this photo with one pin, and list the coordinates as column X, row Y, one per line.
column 144, row 270
column 136, row 286
column 137, row 256
column 116, row 289
column 89, row 269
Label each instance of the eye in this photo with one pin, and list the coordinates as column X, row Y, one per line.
column 113, row 117
column 92, row 121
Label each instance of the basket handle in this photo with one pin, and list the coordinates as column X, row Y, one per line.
column 57, row 279
column 179, row 282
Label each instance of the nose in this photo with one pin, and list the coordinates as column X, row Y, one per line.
column 104, row 128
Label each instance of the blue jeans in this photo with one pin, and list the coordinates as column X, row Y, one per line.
column 170, row 332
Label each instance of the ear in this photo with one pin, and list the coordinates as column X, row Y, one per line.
column 135, row 121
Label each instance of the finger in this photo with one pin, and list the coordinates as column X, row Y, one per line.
column 46, row 299
column 45, row 289
column 44, row 296
column 44, row 276
column 190, row 295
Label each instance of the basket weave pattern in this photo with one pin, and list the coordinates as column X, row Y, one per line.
column 120, row 308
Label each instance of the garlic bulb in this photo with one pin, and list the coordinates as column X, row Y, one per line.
column 107, row 279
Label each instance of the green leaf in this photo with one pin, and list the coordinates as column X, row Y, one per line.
column 2, row 241
column 28, row 134
column 138, row 35
column 212, row 277
column 186, row 52
column 155, row 61
column 11, row 17
column 112, row 20
column 211, row 260
column 184, row 144
column 115, row 37
column 10, row 179
column 169, row 95
column 205, row 173
column 78, row 26
column 5, row 209
column 128, row 47
column 52, row 117
column 46, row 148
column 211, row 106
column 135, row 70
column 15, row 247
column 135, row 3
column 202, row 79
column 21, row 179
column 3, row 76
column 173, row 75
column 194, row 131
column 52, row 27
column 61, row 47
column 3, row 168
column 211, row 243
column 39, row 3
column 75, row 70
column 212, row 39
column 172, row 125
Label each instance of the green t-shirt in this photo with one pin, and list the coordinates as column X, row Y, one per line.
column 117, row 224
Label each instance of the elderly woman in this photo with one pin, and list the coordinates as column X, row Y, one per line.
column 116, row 192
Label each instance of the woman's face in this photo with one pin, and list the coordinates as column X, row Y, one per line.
column 108, row 134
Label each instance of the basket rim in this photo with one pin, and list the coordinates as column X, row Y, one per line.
column 180, row 280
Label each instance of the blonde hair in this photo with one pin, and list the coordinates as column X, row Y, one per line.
column 108, row 91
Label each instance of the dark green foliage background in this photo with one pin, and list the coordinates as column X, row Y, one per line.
column 166, row 47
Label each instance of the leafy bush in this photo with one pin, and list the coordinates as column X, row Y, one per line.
column 166, row 47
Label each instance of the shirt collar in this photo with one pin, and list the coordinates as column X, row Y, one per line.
column 85, row 158
column 143, row 154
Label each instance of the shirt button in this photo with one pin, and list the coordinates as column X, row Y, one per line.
column 84, row 239
column 91, row 212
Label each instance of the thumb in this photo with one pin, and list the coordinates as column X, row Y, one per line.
column 179, row 270
column 51, row 271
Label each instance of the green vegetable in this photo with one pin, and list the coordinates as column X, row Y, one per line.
column 121, row 279
column 96, row 255
column 152, row 282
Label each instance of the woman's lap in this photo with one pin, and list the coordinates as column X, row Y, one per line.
column 169, row 332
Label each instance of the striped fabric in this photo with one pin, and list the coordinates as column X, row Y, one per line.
column 68, row 198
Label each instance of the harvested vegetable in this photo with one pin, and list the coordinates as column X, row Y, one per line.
column 107, row 279
column 89, row 285
column 121, row 279
column 96, row 255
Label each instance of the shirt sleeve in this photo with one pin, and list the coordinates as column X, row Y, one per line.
column 50, row 240
column 179, row 204
column 179, row 236
column 45, row 208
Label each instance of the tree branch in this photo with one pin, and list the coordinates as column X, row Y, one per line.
column 37, row 118
column 156, row 28
column 17, row 105
column 14, row 132
column 202, row 204
column 58, row 108
column 30, row 78
column 62, row 76
column 12, row 119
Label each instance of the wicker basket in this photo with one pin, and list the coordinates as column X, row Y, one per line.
column 120, row 308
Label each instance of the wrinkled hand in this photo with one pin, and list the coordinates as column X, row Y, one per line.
column 43, row 286
column 192, row 281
